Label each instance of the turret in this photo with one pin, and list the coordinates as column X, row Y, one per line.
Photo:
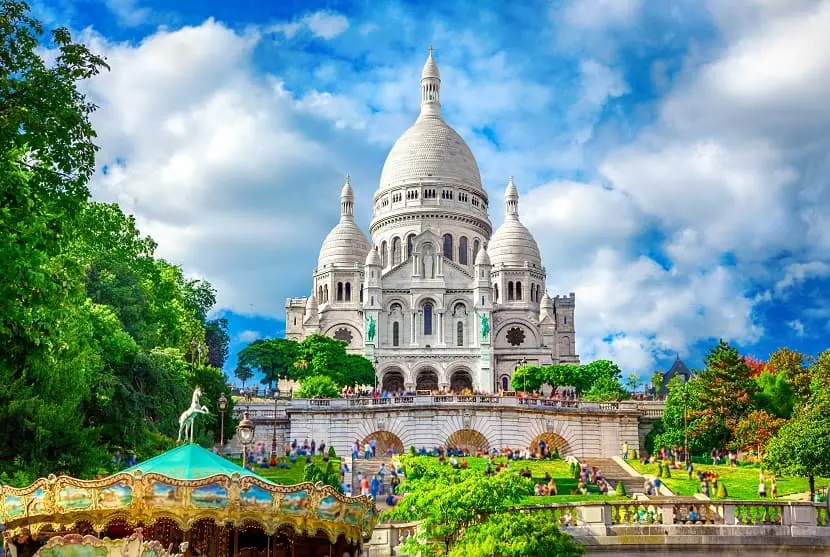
column 372, row 280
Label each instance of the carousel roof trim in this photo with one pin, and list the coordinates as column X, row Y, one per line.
column 190, row 462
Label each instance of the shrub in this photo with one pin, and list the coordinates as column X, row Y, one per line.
column 659, row 469
column 620, row 489
column 722, row 494
column 332, row 454
column 555, row 454
column 667, row 470
column 412, row 450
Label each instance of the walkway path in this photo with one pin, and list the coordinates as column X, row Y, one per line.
column 615, row 473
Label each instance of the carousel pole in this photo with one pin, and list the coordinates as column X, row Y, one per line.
column 235, row 541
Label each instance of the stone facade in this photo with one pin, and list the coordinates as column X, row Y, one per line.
column 437, row 300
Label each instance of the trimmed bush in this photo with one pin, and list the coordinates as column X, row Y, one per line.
column 332, row 454
column 412, row 450
column 722, row 494
column 620, row 489
column 555, row 454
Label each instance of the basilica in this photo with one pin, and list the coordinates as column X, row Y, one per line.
column 437, row 300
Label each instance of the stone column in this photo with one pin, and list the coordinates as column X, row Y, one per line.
column 440, row 327
column 413, row 339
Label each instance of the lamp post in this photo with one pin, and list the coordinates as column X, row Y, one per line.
column 223, row 405
column 375, row 365
column 520, row 363
column 274, row 436
column 245, row 432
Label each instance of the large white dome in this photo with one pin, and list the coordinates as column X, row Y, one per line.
column 430, row 150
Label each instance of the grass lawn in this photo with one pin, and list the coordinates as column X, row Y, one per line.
column 741, row 482
column 294, row 474
column 559, row 471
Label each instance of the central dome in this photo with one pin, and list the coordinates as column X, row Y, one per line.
column 430, row 150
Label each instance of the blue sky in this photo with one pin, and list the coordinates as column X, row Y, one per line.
column 672, row 156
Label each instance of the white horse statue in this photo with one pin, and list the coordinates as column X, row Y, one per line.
column 189, row 416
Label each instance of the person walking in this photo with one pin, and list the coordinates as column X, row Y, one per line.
column 762, row 486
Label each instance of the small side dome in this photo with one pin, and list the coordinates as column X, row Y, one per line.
column 546, row 302
column 483, row 258
column 513, row 244
column 310, row 309
column 346, row 245
column 430, row 68
column 373, row 259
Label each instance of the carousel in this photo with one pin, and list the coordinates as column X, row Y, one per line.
column 189, row 502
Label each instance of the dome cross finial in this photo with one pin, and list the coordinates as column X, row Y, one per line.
column 347, row 200
column 511, row 199
column 430, row 87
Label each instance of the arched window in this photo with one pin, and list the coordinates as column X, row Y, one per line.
column 459, row 334
column 326, row 293
column 427, row 318
column 361, row 293
column 410, row 241
column 538, row 293
column 504, row 384
column 339, row 291
column 476, row 247
column 448, row 246
column 384, row 255
column 396, row 334
column 462, row 250
column 496, row 293
column 519, row 291
column 396, row 251
column 532, row 292
column 320, row 294
column 510, row 291
column 348, row 292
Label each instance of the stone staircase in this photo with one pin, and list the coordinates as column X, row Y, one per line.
column 369, row 468
column 615, row 473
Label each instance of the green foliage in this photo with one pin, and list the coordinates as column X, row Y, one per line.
column 243, row 372
column 528, row 378
column 722, row 493
column 328, row 475
column 332, row 452
column 620, row 489
column 659, row 469
column 516, row 534
column 448, row 501
column 606, row 389
column 218, row 342
column 273, row 358
column 318, row 386
column 632, row 381
column 603, row 374
column 791, row 365
column 666, row 470
column 776, row 395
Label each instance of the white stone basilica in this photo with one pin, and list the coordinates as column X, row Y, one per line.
column 437, row 302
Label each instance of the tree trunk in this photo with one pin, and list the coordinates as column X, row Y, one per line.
column 812, row 480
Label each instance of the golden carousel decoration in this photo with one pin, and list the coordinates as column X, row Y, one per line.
column 194, row 497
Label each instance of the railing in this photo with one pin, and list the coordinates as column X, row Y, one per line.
column 263, row 409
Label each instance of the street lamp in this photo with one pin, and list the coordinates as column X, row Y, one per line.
column 223, row 405
column 274, row 436
column 245, row 432
column 520, row 363
column 376, row 373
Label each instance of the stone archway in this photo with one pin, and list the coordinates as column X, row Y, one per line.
column 461, row 380
column 393, row 380
column 469, row 439
column 552, row 441
column 384, row 440
column 427, row 380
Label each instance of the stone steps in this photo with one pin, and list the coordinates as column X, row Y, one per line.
column 615, row 473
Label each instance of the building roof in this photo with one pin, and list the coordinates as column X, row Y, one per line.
column 346, row 244
column 513, row 244
column 677, row 368
column 190, row 462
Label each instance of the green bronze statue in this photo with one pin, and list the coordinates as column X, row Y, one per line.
column 485, row 327
column 370, row 328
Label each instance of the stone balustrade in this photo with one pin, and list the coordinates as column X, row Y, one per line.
column 264, row 410
column 671, row 526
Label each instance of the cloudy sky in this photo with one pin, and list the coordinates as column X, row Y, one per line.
column 672, row 155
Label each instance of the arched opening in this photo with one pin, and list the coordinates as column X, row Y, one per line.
column 551, row 441
column 462, row 250
column 427, row 380
column 476, row 247
column 396, row 251
column 448, row 246
column 459, row 334
column 320, row 294
column 384, row 441
column 532, row 292
column 348, row 292
column 505, row 383
column 428, row 319
column 461, row 381
column 496, row 293
column 396, row 333
column 410, row 241
column 510, row 291
column 564, row 346
column 468, row 439
column 518, row 291
column 339, row 291
column 384, row 254
column 326, row 293
column 393, row 381
column 361, row 293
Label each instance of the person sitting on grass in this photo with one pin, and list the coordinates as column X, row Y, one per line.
column 552, row 490
column 538, row 490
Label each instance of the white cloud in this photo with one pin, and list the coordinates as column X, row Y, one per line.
column 796, row 326
column 249, row 335
column 128, row 12
column 600, row 14
column 324, row 24
column 799, row 272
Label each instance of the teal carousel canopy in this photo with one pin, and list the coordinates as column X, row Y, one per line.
column 190, row 462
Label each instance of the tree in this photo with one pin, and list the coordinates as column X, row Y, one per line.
column 243, row 373
column 802, row 446
column 218, row 342
column 528, row 378
column 657, row 379
column 756, row 366
column 791, row 364
column 606, row 389
column 516, row 534
column 727, row 390
column 754, row 431
column 318, row 386
column 357, row 371
column 274, row 358
column 632, row 382
column 776, row 395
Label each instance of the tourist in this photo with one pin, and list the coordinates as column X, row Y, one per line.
column 762, row 486
column 552, row 490
column 773, row 487
column 692, row 515
column 689, row 468
column 375, row 486
column 625, row 450
column 364, row 485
